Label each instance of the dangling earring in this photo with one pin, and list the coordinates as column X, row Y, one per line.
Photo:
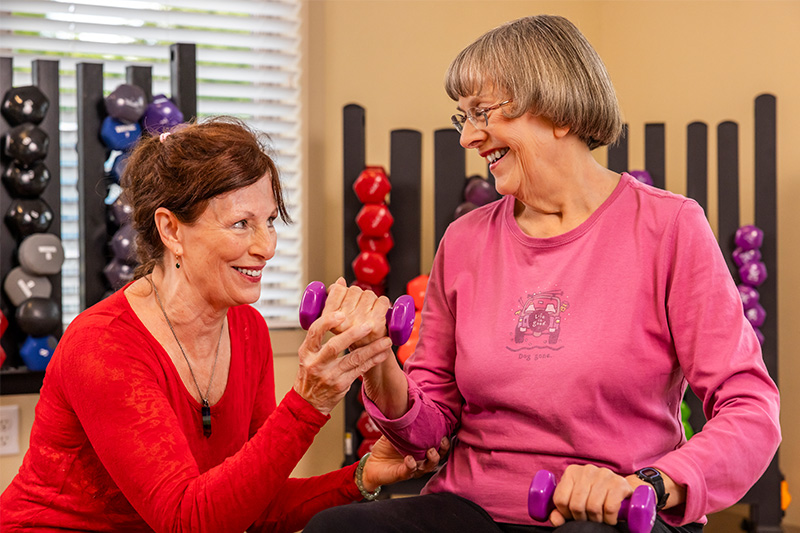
column 177, row 261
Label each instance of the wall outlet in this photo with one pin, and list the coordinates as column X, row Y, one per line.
column 9, row 429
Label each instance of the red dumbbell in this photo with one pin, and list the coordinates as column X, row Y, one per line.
column 639, row 510
column 372, row 185
column 374, row 219
column 371, row 243
column 370, row 267
column 399, row 317
column 367, row 427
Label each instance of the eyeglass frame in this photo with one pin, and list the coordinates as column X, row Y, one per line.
column 472, row 114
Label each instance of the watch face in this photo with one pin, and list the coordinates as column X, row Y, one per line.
column 649, row 472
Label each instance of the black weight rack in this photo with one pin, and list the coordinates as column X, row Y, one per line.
column 15, row 378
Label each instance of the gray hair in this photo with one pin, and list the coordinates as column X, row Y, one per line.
column 547, row 67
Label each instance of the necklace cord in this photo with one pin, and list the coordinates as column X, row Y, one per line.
column 206, row 411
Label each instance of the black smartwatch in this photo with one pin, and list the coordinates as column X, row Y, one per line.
column 653, row 476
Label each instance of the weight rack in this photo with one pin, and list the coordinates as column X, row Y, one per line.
column 15, row 377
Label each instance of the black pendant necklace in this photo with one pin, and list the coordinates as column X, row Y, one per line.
column 206, row 409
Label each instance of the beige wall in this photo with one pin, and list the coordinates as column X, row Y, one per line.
column 671, row 61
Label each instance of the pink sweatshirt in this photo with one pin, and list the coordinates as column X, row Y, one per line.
column 575, row 349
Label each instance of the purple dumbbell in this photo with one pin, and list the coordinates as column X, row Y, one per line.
column 741, row 256
column 399, row 317
column 753, row 274
column 748, row 237
column 642, row 175
column 639, row 510
column 748, row 295
column 756, row 315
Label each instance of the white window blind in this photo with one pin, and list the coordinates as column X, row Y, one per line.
column 248, row 65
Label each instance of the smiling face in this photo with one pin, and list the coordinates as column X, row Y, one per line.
column 517, row 150
column 224, row 251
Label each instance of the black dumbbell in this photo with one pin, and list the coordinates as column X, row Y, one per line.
column 28, row 216
column 24, row 104
column 26, row 144
column 25, row 182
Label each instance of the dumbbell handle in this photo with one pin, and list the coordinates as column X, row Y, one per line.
column 639, row 510
column 399, row 317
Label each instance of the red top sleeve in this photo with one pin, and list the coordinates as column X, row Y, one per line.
column 117, row 442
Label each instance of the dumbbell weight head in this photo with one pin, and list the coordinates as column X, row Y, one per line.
column 380, row 244
column 118, row 273
column 366, row 446
column 756, row 315
column 753, row 274
column 741, row 256
column 123, row 244
column 463, row 208
column 367, row 427
column 126, row 103
column 26, row 144
column 372, row 185
column 642, row 176
column 370, row 267
column 27, row 216
column 21, row 285
column 479, row 191
column 121, row 210
column 3, row 323
column 759, row 336
column 540, row 495
column 36, row 352
column 311, row 303
column 749, row 296
column 118, row 167
column 748, row 237
column 374, row 220
column 118, row 135
column 41, row 253
column 400, row 319
column 161, row 115
column 25, row 104
column 38, row 317
column 25, row 182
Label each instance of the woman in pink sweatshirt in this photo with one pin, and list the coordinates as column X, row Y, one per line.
column 563, row 323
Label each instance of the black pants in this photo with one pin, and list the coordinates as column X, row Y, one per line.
column 445, row 513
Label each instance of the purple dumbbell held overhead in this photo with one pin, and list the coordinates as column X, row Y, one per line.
column 399, row 317
column 639, row 511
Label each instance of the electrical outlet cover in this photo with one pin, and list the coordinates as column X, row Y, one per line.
column 9, row 429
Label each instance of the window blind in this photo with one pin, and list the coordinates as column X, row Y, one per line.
column 248, row 65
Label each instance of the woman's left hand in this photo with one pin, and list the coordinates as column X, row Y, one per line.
column 385, row 465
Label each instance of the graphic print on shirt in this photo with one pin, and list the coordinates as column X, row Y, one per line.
column 538, row 321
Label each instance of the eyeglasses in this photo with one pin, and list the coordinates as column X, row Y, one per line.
column 473, row 114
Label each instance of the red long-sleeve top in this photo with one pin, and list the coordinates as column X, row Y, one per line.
column 117, row 442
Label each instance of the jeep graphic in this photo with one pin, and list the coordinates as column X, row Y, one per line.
column 540, row 315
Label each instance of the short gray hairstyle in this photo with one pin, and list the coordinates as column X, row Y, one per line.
column 547, row 67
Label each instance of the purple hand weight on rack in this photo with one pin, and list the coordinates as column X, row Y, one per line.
column 639, row 510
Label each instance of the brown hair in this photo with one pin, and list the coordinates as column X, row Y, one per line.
column 184, row 170
column 547, row 67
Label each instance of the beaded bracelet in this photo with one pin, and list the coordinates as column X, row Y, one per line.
column 369, row 496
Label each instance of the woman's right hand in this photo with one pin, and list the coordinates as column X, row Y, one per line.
column 324, row 378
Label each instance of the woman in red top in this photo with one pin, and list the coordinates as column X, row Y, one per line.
column 158, row 408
